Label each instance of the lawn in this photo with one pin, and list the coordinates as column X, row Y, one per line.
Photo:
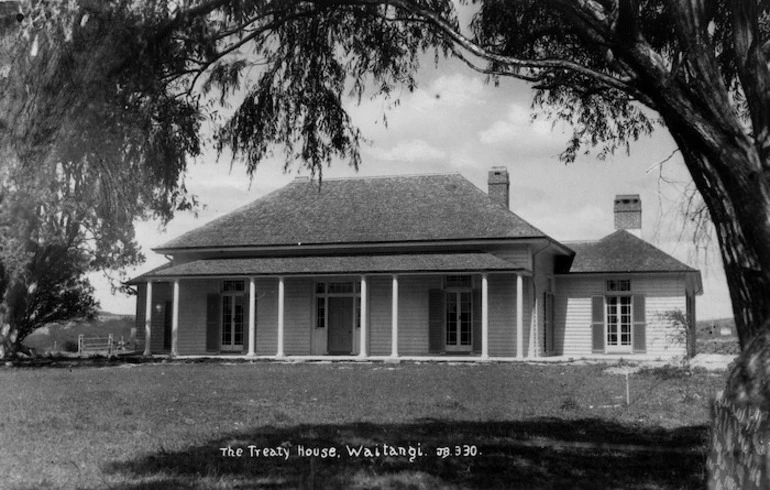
column 169, row 425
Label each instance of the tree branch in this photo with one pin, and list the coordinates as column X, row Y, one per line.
column 753, row 72
column 449, row 31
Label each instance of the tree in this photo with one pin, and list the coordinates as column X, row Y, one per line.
column 86, row 148
column 614, row 69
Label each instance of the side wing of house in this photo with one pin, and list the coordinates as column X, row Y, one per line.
column 622, row 314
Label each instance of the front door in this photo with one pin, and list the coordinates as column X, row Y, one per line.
column 232, row 322
column 340, row 325
column 459, row 328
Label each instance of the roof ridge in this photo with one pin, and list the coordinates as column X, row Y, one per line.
column 306, row 178
column 582, row 241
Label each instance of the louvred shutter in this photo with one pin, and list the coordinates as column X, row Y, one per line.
column 436, row 320
column 597, row 324
column 213, row 341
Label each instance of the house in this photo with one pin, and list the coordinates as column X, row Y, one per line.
column 425, row 266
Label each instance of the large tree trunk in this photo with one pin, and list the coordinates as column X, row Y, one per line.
column 740, row 455
column 728, row 165
column 737, row 202
column 13, row 325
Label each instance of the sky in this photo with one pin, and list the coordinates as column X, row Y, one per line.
column 454, row 122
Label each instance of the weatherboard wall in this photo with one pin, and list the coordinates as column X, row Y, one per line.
column 502, row 315
column 266, row 343
column 413, row 294
column 161, row 294
column 572, row 312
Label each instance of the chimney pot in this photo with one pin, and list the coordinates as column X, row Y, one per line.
column 499, row 186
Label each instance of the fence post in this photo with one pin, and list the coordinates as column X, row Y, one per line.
column 109, row 346
column 80, row 345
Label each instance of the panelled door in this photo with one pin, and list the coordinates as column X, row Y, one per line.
column 340, row 324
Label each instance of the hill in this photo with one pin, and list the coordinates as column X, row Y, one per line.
column 711, row 338
column 63, row 336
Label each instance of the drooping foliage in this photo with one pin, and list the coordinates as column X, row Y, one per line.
column 88, row 147
column 102, row 106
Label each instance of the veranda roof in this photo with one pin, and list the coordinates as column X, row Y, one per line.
column 474, row 262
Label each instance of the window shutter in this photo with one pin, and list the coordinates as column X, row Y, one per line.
column 548, row 329
column 640, row 325
column 167, row 318
column 597, row 324
column 476, row 321
column 436, row 320
column 213, row 337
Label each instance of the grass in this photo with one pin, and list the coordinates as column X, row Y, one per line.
column 101, row 424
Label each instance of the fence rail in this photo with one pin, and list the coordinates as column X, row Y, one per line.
column 98, row 344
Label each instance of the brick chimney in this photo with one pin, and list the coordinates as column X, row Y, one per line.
column 628, row 213
column 499, row 186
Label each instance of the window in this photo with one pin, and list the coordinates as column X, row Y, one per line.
column 619, row 285
column 320, row 313
column 326, row 290
column 233, row 286
column 458, row 282
column 233, row 307
column 458, row 320
column 340, row 287
column 618, row 321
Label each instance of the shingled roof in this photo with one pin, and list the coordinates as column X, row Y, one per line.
column 362, row 210
column 332, row 264
column 622, row 252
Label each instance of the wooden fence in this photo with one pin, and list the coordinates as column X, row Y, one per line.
column 95, row 345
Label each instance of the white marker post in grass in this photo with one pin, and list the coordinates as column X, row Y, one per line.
column 628, row 397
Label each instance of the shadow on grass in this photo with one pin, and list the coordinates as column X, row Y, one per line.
column 534, row 453
column 98, row 360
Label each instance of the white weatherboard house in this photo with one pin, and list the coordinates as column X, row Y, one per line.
column 422, row 266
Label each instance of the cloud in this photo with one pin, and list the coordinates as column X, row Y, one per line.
column 523, row 193
column 520, row 131
column 415, row 150
column 586, row 222
column 450, row 91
